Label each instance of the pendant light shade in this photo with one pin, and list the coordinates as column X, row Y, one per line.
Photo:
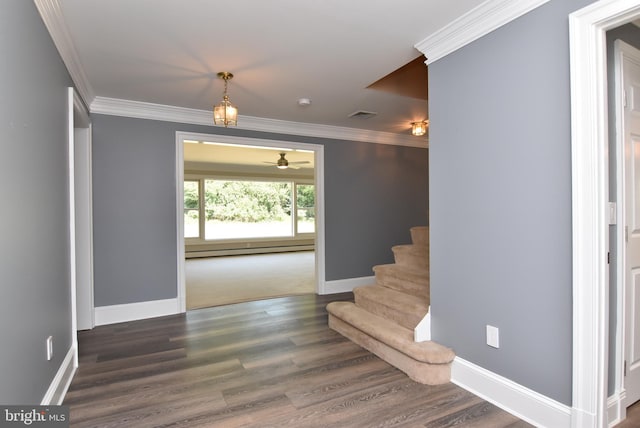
column 225, row 113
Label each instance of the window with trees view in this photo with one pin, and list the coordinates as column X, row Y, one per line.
column 239, row 209
column 191, row 209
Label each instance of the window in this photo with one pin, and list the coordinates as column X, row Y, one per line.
column 306, row 208
column 247, row 209
column 191, row 209
column 244, row 209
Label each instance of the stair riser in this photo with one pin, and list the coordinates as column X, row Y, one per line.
column 406, row 319
column 420, row 236
column 405, row 285
column 413, row 259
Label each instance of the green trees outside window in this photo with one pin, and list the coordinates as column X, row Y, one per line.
column 191, row 209
column 306, row 207
column 236, row 209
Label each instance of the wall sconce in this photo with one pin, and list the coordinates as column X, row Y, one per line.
column 419, row 128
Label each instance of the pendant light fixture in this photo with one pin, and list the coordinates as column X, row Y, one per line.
column 225, row 113
column 419, row 128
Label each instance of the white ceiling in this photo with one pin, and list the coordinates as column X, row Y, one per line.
column 169, row 51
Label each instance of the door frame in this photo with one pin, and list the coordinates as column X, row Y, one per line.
column 77, row 114
column 590, row 205
column 82, row 174
column 318, row 150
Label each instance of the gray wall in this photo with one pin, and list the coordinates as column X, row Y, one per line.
column 373, row 195
column 34, row 247
column 500, row 200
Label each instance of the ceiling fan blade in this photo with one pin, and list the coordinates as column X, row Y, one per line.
column 299, row 162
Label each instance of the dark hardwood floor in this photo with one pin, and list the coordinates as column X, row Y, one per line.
column 272, row 363
column 633, row 417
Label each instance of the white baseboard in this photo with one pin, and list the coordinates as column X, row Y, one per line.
column 616, row 410
column 60, row 384
column 135, row 311
column 522, row 402
column 345, row 285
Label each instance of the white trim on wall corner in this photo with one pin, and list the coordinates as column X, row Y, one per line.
column 61, row 381
column 476, row 23
column 516, row 399
column 135, row 311
column 422, row 331
column 345, row 285
column 142, row 110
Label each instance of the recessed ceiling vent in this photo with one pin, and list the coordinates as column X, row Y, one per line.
column 361, row 114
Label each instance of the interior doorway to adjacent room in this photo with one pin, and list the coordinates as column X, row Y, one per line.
column 250, row 219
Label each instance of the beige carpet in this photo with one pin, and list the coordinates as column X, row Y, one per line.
column 217, row 281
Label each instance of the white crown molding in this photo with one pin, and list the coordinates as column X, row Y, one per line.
column 476, row 23
column 51, row 14
column 143, row 110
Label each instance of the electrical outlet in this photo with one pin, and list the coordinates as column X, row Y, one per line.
column 49, row 348
column 493, row 336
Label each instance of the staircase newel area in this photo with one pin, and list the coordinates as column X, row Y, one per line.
column 383, row 316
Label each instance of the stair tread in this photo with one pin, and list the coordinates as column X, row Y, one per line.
column 391, row 334
column 411, row 255
column 410, row 248
column 414, row 271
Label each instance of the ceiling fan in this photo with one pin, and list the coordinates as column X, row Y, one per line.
column 283, row 163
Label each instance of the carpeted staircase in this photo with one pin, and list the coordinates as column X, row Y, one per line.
column 384, row 315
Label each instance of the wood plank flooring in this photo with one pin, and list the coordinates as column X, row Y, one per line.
column 633, row 417
column 270, row 363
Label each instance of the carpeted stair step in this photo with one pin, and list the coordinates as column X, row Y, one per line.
column 411, row 255
column 420, row 235
column 401, row 308
column 425, row 362
column 403, row 278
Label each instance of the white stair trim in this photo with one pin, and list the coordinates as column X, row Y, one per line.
column 422, row 331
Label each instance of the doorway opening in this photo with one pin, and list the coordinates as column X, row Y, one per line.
column 247, row 230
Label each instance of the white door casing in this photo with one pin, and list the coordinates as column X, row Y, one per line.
column 590, row 205
column 628, row 145
column 319, row 189
column 83, row 221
